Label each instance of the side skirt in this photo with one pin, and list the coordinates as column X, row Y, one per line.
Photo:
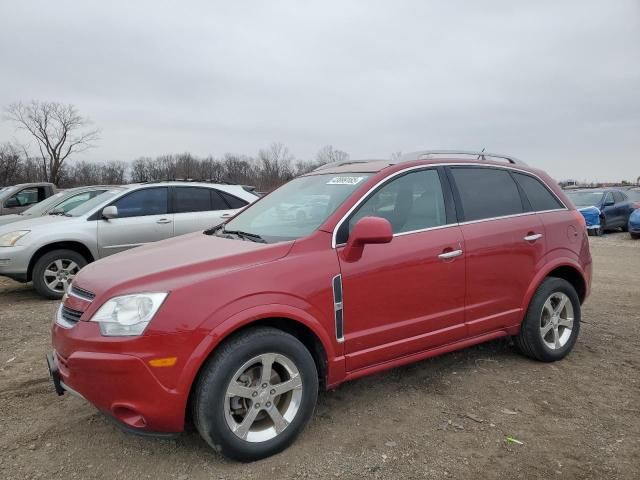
column 434, row 352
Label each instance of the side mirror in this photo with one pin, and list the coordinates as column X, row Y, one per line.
column 368, row 230
column 56, row 211
column 12, row 203
column 110, row 212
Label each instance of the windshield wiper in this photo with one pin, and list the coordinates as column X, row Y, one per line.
column 219, row 231
column 254, row 237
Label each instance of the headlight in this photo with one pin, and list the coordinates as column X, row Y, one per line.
column 128, row 315
column 10, row 239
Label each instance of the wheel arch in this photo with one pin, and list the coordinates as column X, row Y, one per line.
column 74, row 245
column 309, row 333
column 561, row 268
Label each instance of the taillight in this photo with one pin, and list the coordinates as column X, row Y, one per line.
column 580, row 218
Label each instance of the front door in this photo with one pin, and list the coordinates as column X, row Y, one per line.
column 406, row 296
column 142, row 218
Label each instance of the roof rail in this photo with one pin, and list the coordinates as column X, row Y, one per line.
column 482, row 155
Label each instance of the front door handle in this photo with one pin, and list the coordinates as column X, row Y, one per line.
column 532, row 237
column 226, row 215
column 164, row 220
column 449, row 255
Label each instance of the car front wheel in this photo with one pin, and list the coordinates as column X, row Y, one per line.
column 255, row 394
column 54, row 271
column 552, row 323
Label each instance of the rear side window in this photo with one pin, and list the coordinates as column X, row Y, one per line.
column 539, row 196
column 217, row 202
column 619, row 197
column 233, row 202
column 486, row 192
column 150, row 201
column 192, row 199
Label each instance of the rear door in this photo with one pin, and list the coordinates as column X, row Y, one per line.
column 142, row 218
column 504, row 245
column 197, row 208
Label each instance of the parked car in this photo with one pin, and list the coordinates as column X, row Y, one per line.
column 239, row 327
column 50, row 250
column 634, row 224
column 634, row 195
column 614, row 206
column 18, row 198
column 59, row 203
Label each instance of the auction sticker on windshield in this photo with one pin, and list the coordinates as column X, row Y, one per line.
column 345, row 180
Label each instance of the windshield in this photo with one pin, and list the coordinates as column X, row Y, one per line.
column 297, row 208
column 585, row 199
column 39, row 208
column 91, row 204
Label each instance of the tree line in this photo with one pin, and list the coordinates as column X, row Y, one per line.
column 270, row 168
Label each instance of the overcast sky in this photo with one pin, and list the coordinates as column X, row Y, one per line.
column 556, row 83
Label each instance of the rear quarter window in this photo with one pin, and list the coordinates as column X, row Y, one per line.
column 486, row 192
column 539, row 196
column 233, row 202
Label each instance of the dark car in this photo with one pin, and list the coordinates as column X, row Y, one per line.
column 614, row 205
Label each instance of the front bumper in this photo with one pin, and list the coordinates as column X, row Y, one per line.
column 14, row 262
column 121, row 385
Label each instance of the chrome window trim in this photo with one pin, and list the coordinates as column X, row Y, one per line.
column 447, row 164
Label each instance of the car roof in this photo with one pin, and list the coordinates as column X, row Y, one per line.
column 422, row 157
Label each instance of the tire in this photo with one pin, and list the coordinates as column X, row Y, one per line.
column 532, row 340
column 217, row 412
column 625, row 227
column 635, row 236
column 47, row 265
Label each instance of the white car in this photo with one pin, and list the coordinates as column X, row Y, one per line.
column 50, row 250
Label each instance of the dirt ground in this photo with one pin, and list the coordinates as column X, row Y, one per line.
column 444, row 417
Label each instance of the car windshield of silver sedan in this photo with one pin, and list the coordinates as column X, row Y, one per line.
column 294, row 210
column 89, row 205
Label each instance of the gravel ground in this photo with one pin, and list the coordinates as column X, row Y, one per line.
column 444, row 417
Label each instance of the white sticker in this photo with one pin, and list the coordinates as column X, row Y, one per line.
column 345, row 180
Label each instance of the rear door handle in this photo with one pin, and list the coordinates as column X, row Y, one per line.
column 226, row 215
column 449, row 255
column 532, row 237
column 164, row 220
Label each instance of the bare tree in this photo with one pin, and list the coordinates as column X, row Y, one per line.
column 9, row 164
column 328, row 154
column 274, row 166
column 59, row 131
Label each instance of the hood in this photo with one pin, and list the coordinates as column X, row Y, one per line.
column 5, row 219
column 173, row 263
column 31, row 223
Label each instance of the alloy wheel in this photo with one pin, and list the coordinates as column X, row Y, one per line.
column 59, row 274
column 556, row 320
column 263, row 397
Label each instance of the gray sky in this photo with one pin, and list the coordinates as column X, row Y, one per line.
column 556, row 83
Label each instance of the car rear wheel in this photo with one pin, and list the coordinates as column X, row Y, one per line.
column 255, row 394
column 54, row 271
column 552, row 323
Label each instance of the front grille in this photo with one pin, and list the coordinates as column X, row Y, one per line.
column 69, row 315
column 82, row 293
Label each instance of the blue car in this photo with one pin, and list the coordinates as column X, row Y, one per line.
column 614, row 205
column 634, row 224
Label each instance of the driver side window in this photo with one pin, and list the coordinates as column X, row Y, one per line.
column 413, row 201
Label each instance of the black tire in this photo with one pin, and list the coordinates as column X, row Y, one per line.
column 38, row 274
column 529, row 340
column 209, row 399
column 625, row 227
column 635, row 236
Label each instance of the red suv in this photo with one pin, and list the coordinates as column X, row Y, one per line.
column 354, row 268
